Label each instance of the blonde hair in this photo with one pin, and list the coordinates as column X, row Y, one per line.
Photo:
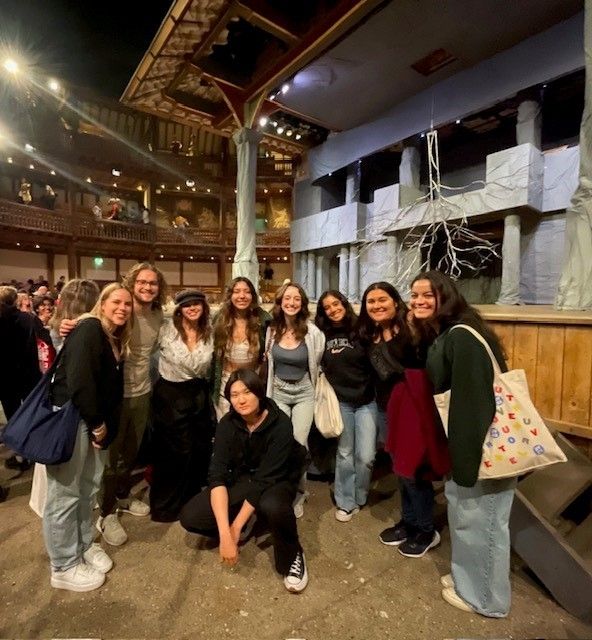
column 119, row 337
column 76, row 297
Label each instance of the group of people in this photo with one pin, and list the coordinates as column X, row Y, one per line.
column 47, row 200
column 231, row 410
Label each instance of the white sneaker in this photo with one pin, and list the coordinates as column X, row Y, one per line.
column 113, row 533
column 447, row 581
column 301, row 498
column 345, row 516
column 134, row 506
column 297, row 577
column 82, row 577
column 451, row 597
column 97, row 558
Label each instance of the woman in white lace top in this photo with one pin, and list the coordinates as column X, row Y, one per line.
column 183, row 418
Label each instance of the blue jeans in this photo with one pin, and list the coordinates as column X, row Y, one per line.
column 355, row 455
column 417, row 503
column 478, row 519
column 71, row 492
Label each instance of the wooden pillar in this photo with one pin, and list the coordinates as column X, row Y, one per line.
column 221, row 271
column 117, row 270
column 181, row 273
column 72, row 261
column 50, row 268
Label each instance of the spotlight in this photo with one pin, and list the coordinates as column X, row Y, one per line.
column 191, row 257
column 458, row 121
column 29, row 147
column 52, row 172
column 162, row 255
column 37, row 246
column 116, row 173
column 115, row 184
column 89, row 179
column 235, row 191
column 31, row 166
column 140, row 188
column 208, row 190
column 18, row 244
column 422, row 135
column 193, row 189
column 11, row 65
column 54, row 85
column 289, row 133
column 281, row 191
column 9, row 160
column 285, row 88
column 263, row 121
column 272, row 96
column 285, row 258
column 178, row 188
column 265, row 190
column 280, row 130
column 162, row 186
column 274, row 123
column 298, row 136
column 212, row 258
column 190, row 183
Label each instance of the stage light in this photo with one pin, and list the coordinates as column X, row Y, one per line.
column 285, row 88
column 98, row 262
column 9, row 160
column 29, row 148
column 274, row 123
column 54, row 85
column 263, row 121
column 37, row 246
column 140, row 187
column 193, row 189
column 52, row 172
column 191, row 257
column 298, row 136
column 162, row 255
column 89, row 179
column 11, row 65
column 458, row 121
column 190, row 183
column 208, row 190
column 115, row 184
column 281, row 191
column 162, row 186
column 116, row 172
column 280, row 130
column 289, row 133
column 31, row 166
column 178, row 188
column 265, row 190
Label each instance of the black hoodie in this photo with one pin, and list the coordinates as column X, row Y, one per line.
column 262, row 457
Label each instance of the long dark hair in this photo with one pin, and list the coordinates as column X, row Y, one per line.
column 254, row 384
column 349, row 320
column 278, row 323
column 225, row 319
column 451, row 309
column 203, row 323
column 368, row 330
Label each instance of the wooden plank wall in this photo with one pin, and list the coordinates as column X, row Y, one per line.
column 557, row 359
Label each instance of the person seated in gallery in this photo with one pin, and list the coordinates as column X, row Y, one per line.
column 24, row 193
column 255, row 470
column 48, row 198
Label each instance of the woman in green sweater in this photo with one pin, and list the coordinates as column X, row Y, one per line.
column 478, row 510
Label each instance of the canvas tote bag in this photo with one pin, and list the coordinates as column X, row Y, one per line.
column 518, row 440
column 327, row 415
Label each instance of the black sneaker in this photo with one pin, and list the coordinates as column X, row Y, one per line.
column 297, row 577
column 419, row 544
column 394, row 536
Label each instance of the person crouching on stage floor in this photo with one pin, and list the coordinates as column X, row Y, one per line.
column 255, row 469
column 183, row 425
column 91, row 376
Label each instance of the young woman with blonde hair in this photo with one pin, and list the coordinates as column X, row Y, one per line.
column 90, row 374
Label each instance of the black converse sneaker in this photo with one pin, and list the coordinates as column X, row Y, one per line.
column 297, row 577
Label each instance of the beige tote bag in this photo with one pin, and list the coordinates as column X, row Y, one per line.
column 327, row 415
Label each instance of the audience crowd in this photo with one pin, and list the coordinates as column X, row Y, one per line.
column 222, row 405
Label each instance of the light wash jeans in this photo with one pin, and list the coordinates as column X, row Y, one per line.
column 71, row 492
column 296, row 400
column 355, row 455
column 478, row 518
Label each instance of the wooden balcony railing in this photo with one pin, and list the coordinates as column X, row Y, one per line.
column 19, row 217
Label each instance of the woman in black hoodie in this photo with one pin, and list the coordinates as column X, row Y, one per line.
column 255, row 469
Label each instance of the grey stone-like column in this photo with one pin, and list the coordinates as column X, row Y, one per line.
column 245, row 259
column 301, row 273
column 353, row 290
column 510, row 287
column 529, row 123
column 393, row 247
column 352, row 182
column 321, row 276
column 311, row 275
column 409, row 167
column 343, row 270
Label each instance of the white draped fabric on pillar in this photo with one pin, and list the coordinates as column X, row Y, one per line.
column 575, row 284
column 353, row 290
column 510, row 287
column 245, row 259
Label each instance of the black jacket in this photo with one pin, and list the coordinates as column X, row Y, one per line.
column 90, row 376
column 19, row 371
column 263, row 457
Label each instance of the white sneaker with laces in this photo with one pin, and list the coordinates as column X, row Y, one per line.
column 447, row 581
column 96, row 557
column 297, row 577
column 134, row 506
column 82, row 577
column 113, row 533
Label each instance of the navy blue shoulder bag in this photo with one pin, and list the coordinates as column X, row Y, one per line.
column 39, row 433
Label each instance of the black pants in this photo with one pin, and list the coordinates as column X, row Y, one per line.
column 275, row 506
column 183, row 430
